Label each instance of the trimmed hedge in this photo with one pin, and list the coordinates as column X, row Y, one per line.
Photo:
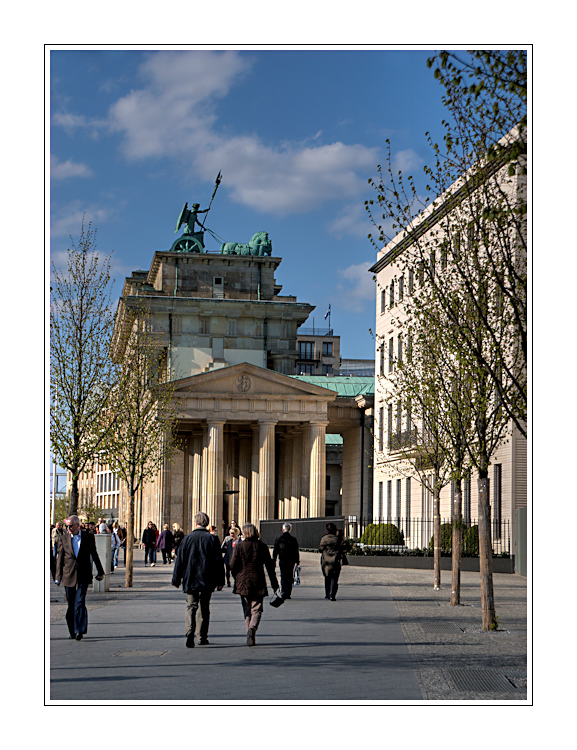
column 382, row 533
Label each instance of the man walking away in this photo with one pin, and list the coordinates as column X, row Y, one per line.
column 76, row 553
column 200, row 569
column 286, row 548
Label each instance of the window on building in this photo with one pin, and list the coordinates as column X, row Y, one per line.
column 305, row 369
column 398, row 503
column 399, row 415
column 389, row 499
column 411, row 280
column 381, row 426
column 383, row 300
column 328, row 482
column 391, row 355
column 497, row 473
column 382, row 359
column 327, row 369
column 380, row 505
column 467, row 500
column 401, row 288
column 306, row 349
column 327, row 348
column 400, row 350
column 218, row 287
column 392, row 294
column 408, row 506
column 390, row 423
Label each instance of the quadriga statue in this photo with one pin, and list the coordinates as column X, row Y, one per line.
column 259, row 244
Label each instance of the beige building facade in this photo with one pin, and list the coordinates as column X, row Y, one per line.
column 399, row 496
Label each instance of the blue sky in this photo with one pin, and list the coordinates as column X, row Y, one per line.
column 296, row 133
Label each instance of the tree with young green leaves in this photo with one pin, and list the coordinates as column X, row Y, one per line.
column 144, row 410
column 82, row 376
column 472, row 221
column 482, row 173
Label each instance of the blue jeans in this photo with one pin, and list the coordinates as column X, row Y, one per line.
column 77, row 614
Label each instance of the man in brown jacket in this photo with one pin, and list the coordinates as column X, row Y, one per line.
column 76, row 553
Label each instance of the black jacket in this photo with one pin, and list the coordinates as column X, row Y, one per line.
column 198, row 565
column 286, row 548
column 149, row 537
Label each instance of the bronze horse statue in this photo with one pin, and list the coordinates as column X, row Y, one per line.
column 259, row 244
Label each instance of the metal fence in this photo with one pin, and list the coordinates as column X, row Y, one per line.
column 308, row 531
column 400, row 535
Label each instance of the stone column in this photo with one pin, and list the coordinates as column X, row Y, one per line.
column 266, row 469
column 214, row 472
column 186, row 484
column 318, row 470
column 305, row 473
column 281, row 493
column 295, row 475
column 254, row 505
column 196, row 472
column 244, row 471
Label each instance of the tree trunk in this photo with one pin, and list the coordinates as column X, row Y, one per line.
column 486, row 557
column 437, row 540
column 129, row 543
column 73, row 510
column 457, row 546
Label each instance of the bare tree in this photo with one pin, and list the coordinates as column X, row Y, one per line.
column 82, row 375
column 144, row 410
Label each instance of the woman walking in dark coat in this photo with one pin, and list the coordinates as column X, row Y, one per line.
column 248, row 563
column 332, row 548
column 178, row 535
column 165, row 543
column 228, row 548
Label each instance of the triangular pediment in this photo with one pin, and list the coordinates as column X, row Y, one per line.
column 246, row 379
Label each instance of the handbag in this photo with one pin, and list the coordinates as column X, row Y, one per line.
column 297, row 577
column 276, row 599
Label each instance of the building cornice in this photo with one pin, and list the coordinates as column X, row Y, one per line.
column 440, row 207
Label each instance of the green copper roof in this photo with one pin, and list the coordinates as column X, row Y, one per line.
column 346, row 387
column 333, row 439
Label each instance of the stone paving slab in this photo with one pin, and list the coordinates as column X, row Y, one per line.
column 389, row 638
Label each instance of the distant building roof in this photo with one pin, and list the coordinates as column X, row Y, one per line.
column 346, row 387
column 333, row 439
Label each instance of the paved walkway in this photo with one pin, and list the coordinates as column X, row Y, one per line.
column 388, row 637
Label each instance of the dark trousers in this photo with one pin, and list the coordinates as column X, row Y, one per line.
column 149, row 554
column 166, row 556
column 198, row 613
column 286, row 578
column 332, row 584
column 77, row 614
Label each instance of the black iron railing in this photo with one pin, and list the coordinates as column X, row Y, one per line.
column 397, row 535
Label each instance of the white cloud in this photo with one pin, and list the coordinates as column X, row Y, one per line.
column 358, row 289
column 62, row 170
column 69, row 219
column 173, row 115
column 352, row 220
column 406, row 161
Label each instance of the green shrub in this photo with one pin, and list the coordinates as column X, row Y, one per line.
column 382, row 533
column 471, row 541
column 446, row 539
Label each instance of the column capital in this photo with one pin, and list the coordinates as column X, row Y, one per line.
column 268, row 421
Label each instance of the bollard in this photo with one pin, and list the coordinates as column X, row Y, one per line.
column 103, row 542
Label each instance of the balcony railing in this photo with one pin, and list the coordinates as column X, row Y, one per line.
column 315, row 332
column 400, row 440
